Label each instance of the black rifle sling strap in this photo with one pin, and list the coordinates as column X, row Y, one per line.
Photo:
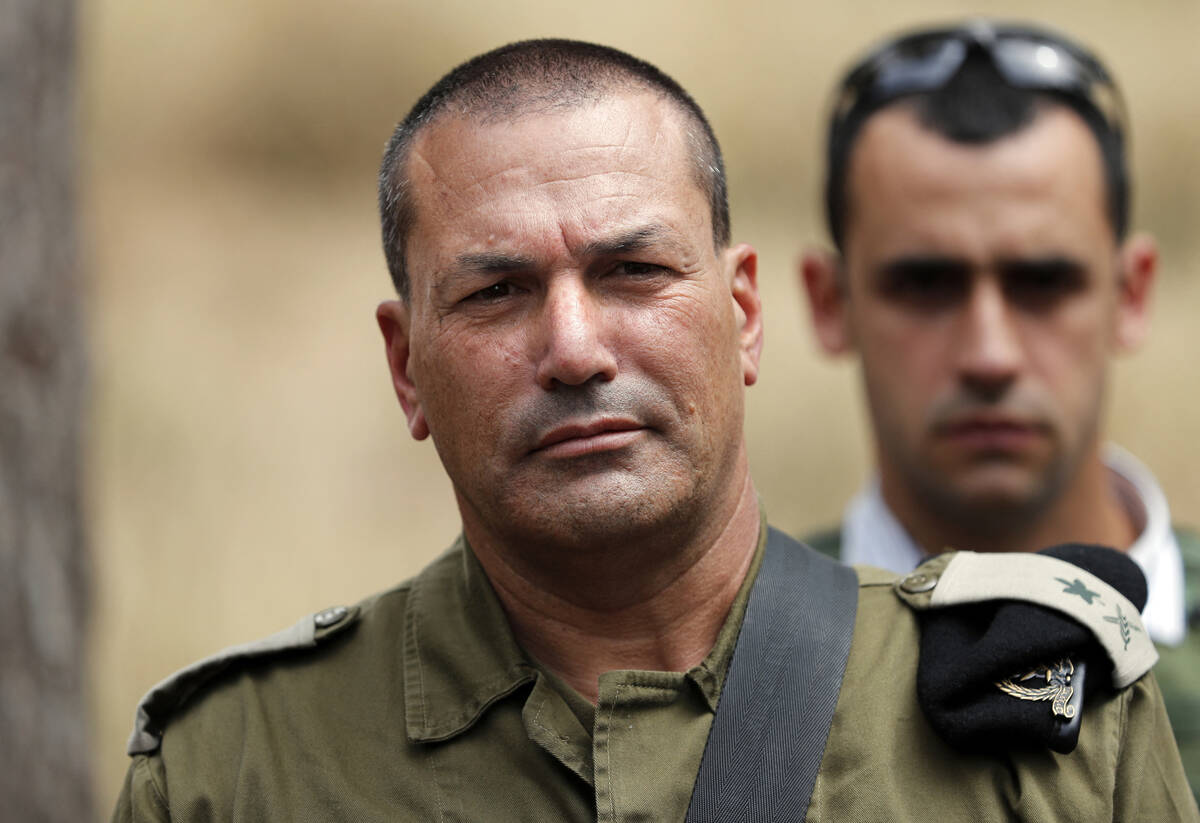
column 776, row 706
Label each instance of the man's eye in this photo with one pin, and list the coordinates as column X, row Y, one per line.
column 925, row 287
column 491, row 293
column 630, row 268
column 1042, row 285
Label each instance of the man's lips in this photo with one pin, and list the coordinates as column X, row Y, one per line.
column 578, row 439
column 992, row 433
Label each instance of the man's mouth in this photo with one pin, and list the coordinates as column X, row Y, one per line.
column 991, row 433
column 592, row 437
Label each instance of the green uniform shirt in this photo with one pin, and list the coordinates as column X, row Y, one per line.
column 1178, row 667
column 420, row 705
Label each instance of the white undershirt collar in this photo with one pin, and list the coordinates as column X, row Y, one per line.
column 871, row 535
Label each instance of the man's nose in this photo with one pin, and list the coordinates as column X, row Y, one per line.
column 574, row 345
column 989, row 356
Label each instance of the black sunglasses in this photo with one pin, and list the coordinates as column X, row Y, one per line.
column 1025, row 56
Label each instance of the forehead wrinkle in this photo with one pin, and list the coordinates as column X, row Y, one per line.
column 589, row 175
column 455, row 173
column 416, row 156
column 618, row 146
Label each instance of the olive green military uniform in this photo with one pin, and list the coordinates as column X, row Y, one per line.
column 419, row 705
column 1178, row 667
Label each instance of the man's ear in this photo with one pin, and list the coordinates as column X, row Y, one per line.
column 823, row 280
column 742, row 260
column 1139, row 267
column 393, row 319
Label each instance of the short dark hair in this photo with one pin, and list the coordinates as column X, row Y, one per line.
column 977, row 105
column 537, row 75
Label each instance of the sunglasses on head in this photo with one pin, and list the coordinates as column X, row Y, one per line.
column 1025, row 57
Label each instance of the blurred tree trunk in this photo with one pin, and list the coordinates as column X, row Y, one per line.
column 44, row 753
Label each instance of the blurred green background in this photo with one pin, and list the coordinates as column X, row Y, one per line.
column 247, row 461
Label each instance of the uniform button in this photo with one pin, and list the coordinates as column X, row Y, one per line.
column 918, row 582
column 330, row 617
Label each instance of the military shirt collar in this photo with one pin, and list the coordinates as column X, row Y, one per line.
column 460, row 656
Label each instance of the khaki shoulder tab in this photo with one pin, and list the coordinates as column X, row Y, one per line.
column 967, row 577
column 874, row 576
column 156, row 708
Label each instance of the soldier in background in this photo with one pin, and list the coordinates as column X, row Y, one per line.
column 977, row 194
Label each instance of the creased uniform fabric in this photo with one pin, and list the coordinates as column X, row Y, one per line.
column 427, row 709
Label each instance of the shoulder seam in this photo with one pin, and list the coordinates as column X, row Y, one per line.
column 160, row 794
column 1123, row 726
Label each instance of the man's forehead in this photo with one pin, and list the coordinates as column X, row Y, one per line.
column 576, row 174
column 629, row 129
column 903, row 172
column 896, row 138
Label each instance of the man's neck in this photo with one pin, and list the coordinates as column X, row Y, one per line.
column 1090, row 510
column 649, row 610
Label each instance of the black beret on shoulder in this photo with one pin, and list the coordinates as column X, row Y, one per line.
column 1006, row 674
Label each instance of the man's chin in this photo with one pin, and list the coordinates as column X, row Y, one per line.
column 597, row 510
column 994, row 499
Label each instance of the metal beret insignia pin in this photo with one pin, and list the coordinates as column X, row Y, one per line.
column 1058, row 688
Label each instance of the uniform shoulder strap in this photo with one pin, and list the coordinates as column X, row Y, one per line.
column 773, row 717
column 166, row 698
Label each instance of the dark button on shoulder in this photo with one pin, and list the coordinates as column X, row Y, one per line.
column 919, row 582
column 330, row 617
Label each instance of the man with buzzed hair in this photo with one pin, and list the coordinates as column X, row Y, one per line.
column 978, row 196
column 617, row 635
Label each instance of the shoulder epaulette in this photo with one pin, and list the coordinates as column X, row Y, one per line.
column 1007, row 641
column 164, row 699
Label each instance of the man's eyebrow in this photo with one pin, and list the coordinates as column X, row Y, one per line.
column 622, row 243
column 629, row 241
column 923, row 264
column 488, row 262
column 1050, row 264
